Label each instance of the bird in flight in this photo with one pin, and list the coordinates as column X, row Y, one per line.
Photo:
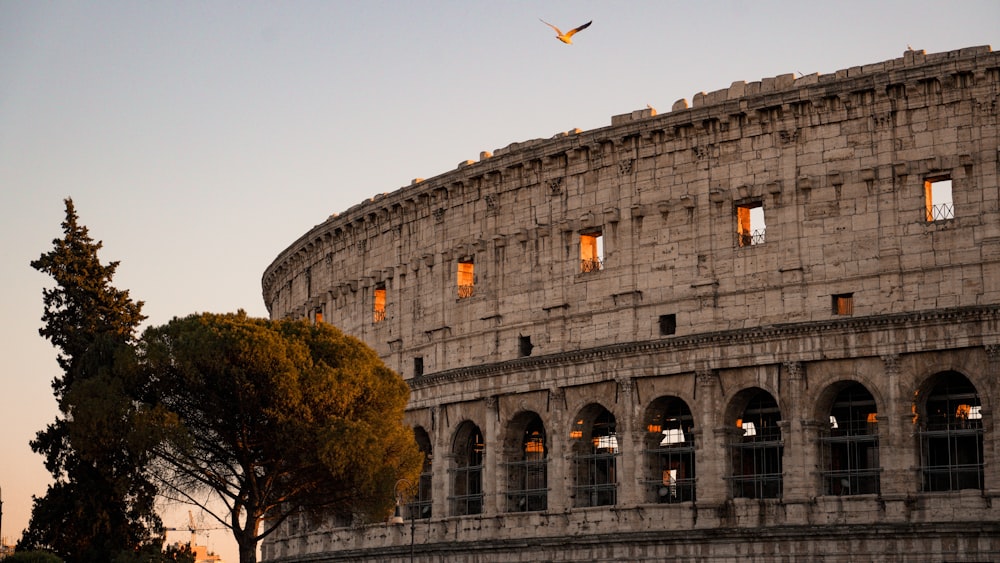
column 565, row 37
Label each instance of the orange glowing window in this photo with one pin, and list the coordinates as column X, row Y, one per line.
column 750, row 226
column 654, row 428
column 843, row 304
column 379, row 305
column 466, row 279
column 591, row 251
column 872, row 418
column 318, row 316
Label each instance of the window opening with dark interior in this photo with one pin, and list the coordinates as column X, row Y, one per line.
column 591, row 251
column 418, row 366
column 670, row 451
column 668, row 324
column 950, row 426
column 421, row 505
column 938, row 203
column 466, row 278
column 756, row 449
column 750, row 226
column 524, row 346
column 467, row 475
column 850, row 447
column 595, row 453
column 527, row 470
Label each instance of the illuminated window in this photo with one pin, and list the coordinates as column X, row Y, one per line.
column 843, row 304
column 467, row 475
column 937, row 199
column 591, row 251
column 527, row 472
column 750, row 227
column 669, row 452
column 756, row 450
column 595, row 453
column 466, row 278
column 951, row 435
column 850, row 449
column 378, row 311
column 317, row 316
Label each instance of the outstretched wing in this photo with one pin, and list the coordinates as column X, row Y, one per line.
column 554, row 27
column 581, row 28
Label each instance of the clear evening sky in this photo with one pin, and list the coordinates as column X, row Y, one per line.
column 199, row 139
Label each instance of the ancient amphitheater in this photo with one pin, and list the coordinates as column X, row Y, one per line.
column 762, row 327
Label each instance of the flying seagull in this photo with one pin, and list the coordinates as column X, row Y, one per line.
column 565, row 37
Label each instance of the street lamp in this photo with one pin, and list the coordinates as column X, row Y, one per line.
column 399, row 490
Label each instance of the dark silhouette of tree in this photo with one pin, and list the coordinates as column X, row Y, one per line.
column 275, row 418
column 100, row 502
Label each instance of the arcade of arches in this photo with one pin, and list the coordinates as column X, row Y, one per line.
column 844, row 441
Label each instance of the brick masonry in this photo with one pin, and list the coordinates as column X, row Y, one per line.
column 838, row 164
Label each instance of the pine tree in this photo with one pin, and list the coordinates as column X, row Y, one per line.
column 101, row 502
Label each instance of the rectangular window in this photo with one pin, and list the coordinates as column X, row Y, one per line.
column 750, row 225
column 418, row 366
column 591, row 251
column 317, row 316
column 524, row 346
column 668, row 324
column 937, row 199
column 379, row 304
column 466, row 278
column 843, row 304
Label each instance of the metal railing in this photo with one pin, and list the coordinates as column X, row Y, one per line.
column 941, row 212
column 466, row 291
column 595, row 265
column 751, row 238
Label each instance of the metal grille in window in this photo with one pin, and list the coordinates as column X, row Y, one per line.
column 951, row 436
column 752, row 238
column 941, row 212
column 529, row 485
column 596, row 479
column 757, row 465
column 591, row 265
column 421, row 505
column 850, row 448
column 676, row 464
column 469, row 490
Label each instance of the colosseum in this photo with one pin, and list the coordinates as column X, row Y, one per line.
column 764, row 326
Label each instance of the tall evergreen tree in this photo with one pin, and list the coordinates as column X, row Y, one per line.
column 101, row 503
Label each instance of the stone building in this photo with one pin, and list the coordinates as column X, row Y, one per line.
column 765, row 327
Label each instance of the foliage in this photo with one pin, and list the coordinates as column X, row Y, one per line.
column 32, row 557
column 276, row 418
column 100, row 502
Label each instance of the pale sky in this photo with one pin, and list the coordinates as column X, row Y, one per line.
column 200, row 139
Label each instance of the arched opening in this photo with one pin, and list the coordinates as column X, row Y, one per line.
column 595, row 452
column 850, row 447
column 950, row 426
column 422, row 503
column 669, row 451
column 755, row 448
column 527, row 475
column 467, row 474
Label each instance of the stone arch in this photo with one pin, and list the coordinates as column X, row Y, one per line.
column 669, row 473
column 948, row 416
column 595, row 449
column 849, row 439
column 755, row 444
column 468, row 453
column 525, row 461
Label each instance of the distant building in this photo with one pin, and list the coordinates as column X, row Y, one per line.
column 763, row 327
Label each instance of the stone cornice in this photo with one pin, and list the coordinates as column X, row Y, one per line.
column 719, row 342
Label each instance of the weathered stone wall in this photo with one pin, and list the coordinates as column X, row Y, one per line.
column 838, row 163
